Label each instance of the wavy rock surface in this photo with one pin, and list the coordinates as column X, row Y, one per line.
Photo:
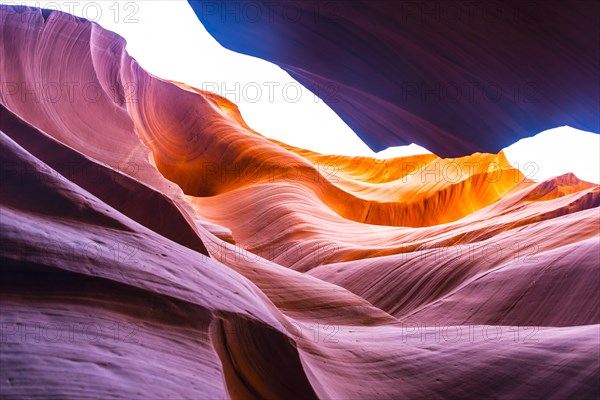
column 155, row 246
column 455, row 77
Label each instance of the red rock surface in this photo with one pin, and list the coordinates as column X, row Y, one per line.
column 155, row 246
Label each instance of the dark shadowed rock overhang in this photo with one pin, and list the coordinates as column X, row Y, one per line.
column 456, row 77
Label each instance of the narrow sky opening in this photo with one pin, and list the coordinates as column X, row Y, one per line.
column 169, row 41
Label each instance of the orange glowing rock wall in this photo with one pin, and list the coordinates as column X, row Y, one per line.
column 237, row 266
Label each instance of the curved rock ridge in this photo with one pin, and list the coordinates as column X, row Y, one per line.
column 155, row 246
column 454, row 77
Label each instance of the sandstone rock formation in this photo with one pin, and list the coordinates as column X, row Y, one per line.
column 155, row 246
column 455, row 77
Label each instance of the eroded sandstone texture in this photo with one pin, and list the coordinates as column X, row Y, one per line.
column 155, row 246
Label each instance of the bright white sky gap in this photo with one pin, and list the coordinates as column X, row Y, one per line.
column 170, row 42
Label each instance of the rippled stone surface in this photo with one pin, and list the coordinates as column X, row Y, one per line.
column 155, row 246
